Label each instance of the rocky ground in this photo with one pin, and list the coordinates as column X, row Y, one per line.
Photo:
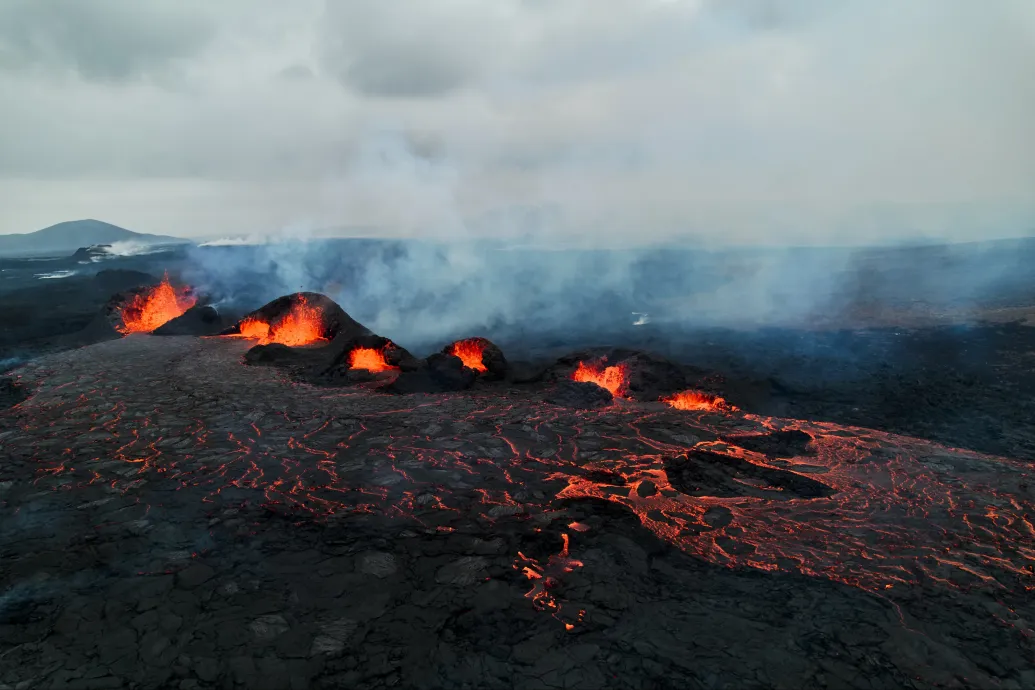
column 172, row 518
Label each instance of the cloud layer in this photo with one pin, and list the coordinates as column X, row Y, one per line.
column 751, row 121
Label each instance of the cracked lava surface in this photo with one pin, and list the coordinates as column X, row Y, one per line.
column 172, row 518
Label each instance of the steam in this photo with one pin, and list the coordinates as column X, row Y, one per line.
column 501, row 275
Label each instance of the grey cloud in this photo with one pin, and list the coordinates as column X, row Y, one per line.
column 101, row 40
column 399, row 49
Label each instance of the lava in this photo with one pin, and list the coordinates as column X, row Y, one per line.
column 696, row 400
column 612, row 378
column 369, row 358
column 470, row 352
column 147, row 311
column 300, row 326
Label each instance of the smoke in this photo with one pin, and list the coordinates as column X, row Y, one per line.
column 501, row 274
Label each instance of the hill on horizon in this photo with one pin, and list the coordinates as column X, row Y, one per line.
column 71, row 235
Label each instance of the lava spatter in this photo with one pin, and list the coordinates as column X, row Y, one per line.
column 470, row 352
column 369, row 359
column 302, row 325
column 697, row 400
column 153, row 308
column 612, row 378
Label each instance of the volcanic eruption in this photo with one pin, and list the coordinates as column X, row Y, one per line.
column 369, row 359
column 302, row 325
column 470, row 353
column 148, row 310
column 611, row 378
column 697, row 400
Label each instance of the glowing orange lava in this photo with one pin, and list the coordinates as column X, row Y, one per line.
column 470, row 353
column 255, row 329
column 612, row 378
column 149, row 310
column 300, row 326
column 370, row 359
column 696, row 400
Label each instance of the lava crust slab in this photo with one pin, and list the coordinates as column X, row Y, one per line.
column 172, row 518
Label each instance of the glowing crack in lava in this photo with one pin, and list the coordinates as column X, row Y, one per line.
column 370, row 359
column 300, row 326
column 870, row 509
column 470, row 353
column 696, row 400
column 147, row 311
column 612, row 378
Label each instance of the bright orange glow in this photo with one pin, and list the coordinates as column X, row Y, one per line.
column 300, row 326
column 612, row 378
column 470, row 353
column 696, row 400
column 370, row 359
column 255, row 329
column 149, row 310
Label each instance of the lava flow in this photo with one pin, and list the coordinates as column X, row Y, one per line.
column 470, row 352
column 300, row 326
column 696, row 400
column 612, row 378
column 147, row 311
column 368, row 358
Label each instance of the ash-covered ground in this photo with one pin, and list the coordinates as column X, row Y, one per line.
column 173, row 517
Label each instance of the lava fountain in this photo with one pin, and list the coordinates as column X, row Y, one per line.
column 696, row 400
column 470, row 352
column 300, row 326
column 612, row 378
column 149, row 310
column 369, row 358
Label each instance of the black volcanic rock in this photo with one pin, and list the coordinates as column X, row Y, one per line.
column 11, row 393
column 779, row 444
column 439, row 373
column 198, row 320
column 579, row 395
column 113, row 280
column 492, row 356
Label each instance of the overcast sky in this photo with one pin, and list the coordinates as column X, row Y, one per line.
column 739, row 120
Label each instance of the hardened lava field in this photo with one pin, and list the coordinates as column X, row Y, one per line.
column 174, row 518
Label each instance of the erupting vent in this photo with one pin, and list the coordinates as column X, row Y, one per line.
column 149, row 310
column 696, row 400
column 302, row 325
column 370, row 359
column 470, row 353
column 612, row 378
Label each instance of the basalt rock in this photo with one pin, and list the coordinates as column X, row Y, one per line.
column 198, row 320
column 439, row 373
column 112, row 280
column 579, row 395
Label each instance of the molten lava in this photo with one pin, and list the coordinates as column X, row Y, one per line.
column 300, row 326
column 696, row 400
column 370, row 359
column 149, row 310
column 612, row 378
column 470, row 353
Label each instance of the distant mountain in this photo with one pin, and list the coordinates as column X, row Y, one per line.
column 67, row 237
